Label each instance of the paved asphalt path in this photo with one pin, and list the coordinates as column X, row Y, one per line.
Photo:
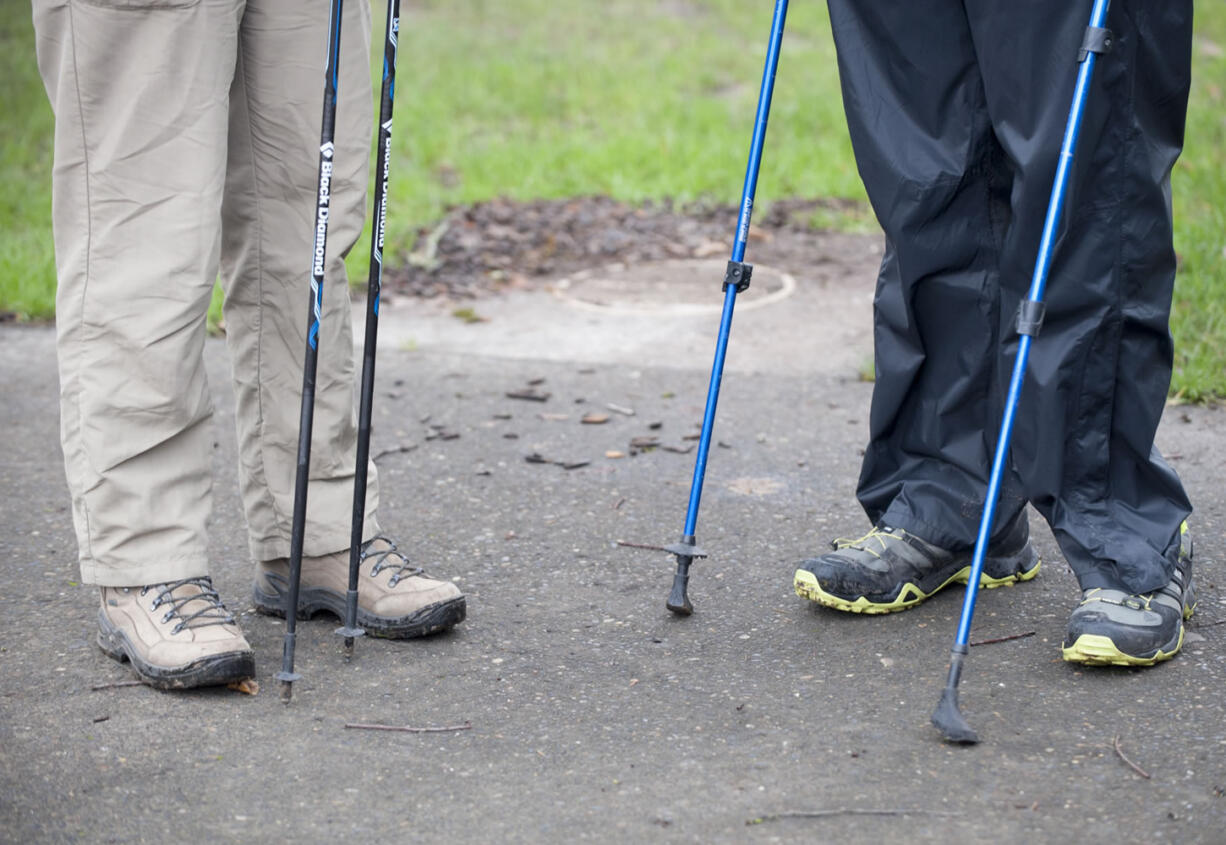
column 595, row 714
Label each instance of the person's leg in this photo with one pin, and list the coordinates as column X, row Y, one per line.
column 932, row 169
column 1100, row 369
column 268, row 234
column 139, row 98
column 139, row 95
column 930, row 164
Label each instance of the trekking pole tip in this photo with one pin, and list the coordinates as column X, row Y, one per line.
column 678, row 602
column 947, row 717
column 948, row 720
column 350, row 634
column 287, row 684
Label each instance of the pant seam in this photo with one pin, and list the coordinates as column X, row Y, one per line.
column 278, row 516
column 88, row 552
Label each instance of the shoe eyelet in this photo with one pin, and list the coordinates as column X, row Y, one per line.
column 144, row 590
column 395, row 579
column 169, row 615
column 176, row 629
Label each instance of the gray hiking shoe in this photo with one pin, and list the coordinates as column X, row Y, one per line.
column 395, row 599
column 890, row 569
column 176, row 635
column 1111, row 627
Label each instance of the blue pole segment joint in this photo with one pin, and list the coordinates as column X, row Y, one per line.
column 738, row 275
column 1030, row 317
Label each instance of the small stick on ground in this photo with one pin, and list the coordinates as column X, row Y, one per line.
column 529, row 395
column 114, row 684
column 407, row 729
column 407, row 447
column 641, row 546
column 1115, row 743
column 1005, row 639
column 847, row 811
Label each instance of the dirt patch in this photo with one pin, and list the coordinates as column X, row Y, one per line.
column 501, row 244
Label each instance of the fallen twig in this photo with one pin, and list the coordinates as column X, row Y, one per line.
column 538, row 458
column 114, row 684
column 405, row 447
column 98, row 719
column 1005, row 639
column 1115, row 743
column 621, row 409
column 641, row 545
column 847, row 811
column 441, row 432
column 529, row 395
column 407, row 729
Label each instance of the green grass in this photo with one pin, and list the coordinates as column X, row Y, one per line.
column 1198, row 320
column 27, row 258
column 636, row 99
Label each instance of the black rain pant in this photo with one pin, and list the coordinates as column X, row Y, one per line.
column 956, row 112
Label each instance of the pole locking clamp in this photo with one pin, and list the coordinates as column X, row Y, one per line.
column 1096, row 40
column 738, row 273
column 1030, row 316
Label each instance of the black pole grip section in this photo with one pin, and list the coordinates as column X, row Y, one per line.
column 1096, row 40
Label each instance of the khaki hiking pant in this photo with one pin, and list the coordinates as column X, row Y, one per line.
column 187, row 143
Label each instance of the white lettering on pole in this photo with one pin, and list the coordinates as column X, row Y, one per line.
column 321, row 219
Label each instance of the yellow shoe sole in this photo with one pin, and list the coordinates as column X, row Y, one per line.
column 806, row 586
column 1097, row 650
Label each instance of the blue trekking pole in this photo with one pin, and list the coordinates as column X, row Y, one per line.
column 323, row 196
column 736, row 280
column 947, row 718
column 350, row 629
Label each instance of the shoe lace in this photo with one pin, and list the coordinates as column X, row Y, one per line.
column 877, row 537
column 1137, row 602
column 388, row 558
column 212, row 612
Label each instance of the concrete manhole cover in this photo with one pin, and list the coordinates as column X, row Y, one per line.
column 682, row 286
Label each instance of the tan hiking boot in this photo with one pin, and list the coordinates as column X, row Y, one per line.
column 395, row 599
column 176, row 635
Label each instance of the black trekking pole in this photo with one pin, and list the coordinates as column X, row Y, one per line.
column 351, row 629
column 736, row 280
column 322, row 205
column 947, row 717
